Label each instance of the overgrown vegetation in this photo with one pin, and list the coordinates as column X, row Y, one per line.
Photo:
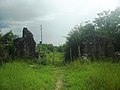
column 55, row 58
column 21, row 76
column 50, row 70
column 6, row 46
column 95, row 38
column 93, row 76
column 74, row 76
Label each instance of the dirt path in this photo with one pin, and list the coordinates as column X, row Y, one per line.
column 59, row 82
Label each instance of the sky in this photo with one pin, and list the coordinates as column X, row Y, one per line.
column 57, row 17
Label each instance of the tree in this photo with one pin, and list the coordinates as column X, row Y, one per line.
column 108, row 25
column 6, row 45
column 102, row 31
column 77, row 37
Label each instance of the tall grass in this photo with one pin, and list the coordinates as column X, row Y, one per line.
column 57, row 57
column 93, row 76
column 21, row 76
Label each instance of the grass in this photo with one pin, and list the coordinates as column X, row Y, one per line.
column 93, row 76
column 56, row 56
column 20, row 75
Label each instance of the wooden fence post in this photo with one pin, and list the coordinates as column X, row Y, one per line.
column 53, row 58
column 79, row 53
column 70, row 54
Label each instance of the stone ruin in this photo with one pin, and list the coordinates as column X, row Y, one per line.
column 99, row 48
column 25, row 46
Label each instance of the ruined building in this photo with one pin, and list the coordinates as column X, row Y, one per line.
column 25, row 46
column 100, row 48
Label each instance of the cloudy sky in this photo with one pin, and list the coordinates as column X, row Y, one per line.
column 57, row 17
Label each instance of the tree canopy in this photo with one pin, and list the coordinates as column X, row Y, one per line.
column 105, row 26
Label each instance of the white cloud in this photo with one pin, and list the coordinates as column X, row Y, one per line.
column 48, row 17
column 57, row 16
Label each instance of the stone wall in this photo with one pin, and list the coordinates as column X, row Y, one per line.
column 25, row 46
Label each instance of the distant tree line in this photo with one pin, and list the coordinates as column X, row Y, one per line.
column 102, row 34
column 49, row 48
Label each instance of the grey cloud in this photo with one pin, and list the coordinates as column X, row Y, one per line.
column 3, row 25
column 24, row 9
column 23, row 12
column 56, row 16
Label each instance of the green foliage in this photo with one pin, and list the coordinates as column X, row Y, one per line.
column 78, row 36
column 105, row 26
column 1, row 51
column 108, row 25
column 50, row 48
column 22, row 76
column 93, row 76
column 19, row 75
column 6, row 46
column 59, row 48
column 55, row 58
column 46, row 47
column 50, row 53
column 8, row 38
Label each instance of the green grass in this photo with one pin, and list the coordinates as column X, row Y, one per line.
column 57, row 56
column 19, row 75
column 93, row 76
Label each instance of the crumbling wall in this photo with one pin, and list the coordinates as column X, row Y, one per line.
column 101, row 48
column 25, row 46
